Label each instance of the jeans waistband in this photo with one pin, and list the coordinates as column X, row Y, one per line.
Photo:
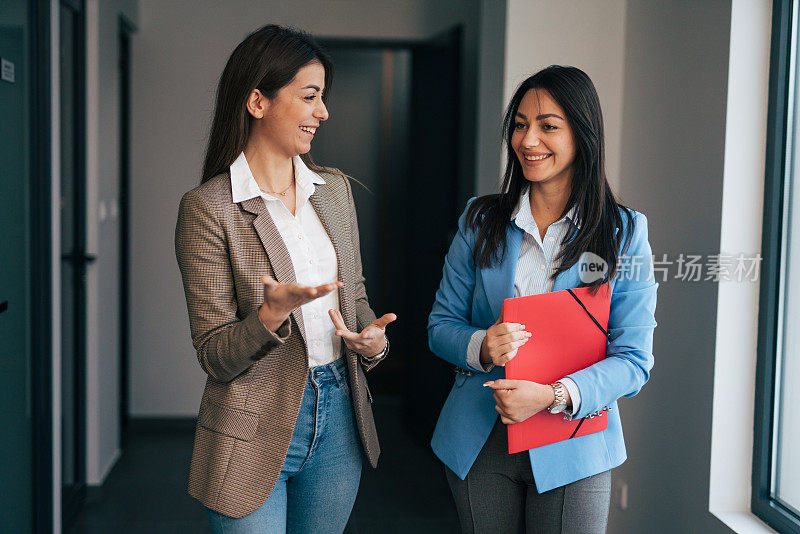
column 336, row 371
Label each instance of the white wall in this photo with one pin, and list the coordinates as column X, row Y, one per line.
column 178, row 55
column 737, row 304
column 102, row 180
column 587, row 35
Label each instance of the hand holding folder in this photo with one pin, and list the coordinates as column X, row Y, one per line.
column 569, row 334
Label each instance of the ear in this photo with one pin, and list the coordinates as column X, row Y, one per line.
column 257, row 104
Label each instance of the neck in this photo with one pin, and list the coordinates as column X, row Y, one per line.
column 548, row 200
column 272, row 172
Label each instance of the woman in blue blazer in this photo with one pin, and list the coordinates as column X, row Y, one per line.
column 554, row 210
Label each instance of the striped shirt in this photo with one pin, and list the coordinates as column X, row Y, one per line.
column 536, row 264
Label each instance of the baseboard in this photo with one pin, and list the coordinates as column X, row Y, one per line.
column 161, row 424
column 94, row 492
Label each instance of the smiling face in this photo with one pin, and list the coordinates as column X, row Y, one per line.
column 292, row 117
column 543, row 140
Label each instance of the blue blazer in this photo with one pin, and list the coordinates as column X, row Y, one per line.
column 470, row 299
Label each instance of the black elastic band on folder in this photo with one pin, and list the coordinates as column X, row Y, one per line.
column 589, row 313
column 577, row 427
column 605, row 333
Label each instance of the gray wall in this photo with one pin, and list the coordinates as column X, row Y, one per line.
column 178, row 56
column 491, row 64
column 587, row 35
column 673, row 133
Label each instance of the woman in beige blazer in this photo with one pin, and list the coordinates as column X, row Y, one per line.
column 268, row 250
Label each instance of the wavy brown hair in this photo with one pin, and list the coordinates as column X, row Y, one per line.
column 599, row 215
column 268, row 59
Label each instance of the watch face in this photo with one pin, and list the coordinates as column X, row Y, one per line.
column 558, row 409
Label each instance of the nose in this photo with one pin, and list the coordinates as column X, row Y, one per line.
column 321, row 112
column 530, row 139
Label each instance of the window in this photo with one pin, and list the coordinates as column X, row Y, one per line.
column 776, row 454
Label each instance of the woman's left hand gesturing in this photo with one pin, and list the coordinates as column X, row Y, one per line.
column 516, row 400
column 371, row 341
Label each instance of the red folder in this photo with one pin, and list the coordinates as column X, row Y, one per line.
column 565, row 339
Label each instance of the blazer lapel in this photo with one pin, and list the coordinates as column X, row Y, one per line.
column 498, row 280
column 276, row 250
column 334, row 220
column 569, row 279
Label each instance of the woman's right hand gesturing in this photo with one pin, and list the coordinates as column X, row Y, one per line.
column 281, row 299
column 502, row 341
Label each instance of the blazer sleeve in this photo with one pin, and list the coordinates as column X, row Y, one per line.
column 629, row 355
column 449, row 324
column 364, row 314
column 226, row 344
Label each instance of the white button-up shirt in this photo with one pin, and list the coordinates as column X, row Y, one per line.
column 533, row 276
column 310, row 248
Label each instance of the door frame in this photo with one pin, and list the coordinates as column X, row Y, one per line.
column 73, row 501
column 41, row 289
column 126, row 29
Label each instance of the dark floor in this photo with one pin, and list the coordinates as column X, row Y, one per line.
column 146, row 490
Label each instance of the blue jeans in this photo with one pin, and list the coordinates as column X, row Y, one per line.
column 319, row 480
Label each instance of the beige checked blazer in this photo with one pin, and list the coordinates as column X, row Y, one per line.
column 256, row 379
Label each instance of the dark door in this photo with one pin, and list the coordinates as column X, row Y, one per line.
column 16, row 417
column 73, row 257
column 26, row 472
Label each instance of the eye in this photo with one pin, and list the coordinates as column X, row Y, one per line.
column 519, row 126
column 310, row 97
column 549, row 127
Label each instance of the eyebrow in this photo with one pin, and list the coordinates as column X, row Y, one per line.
column 540, row 117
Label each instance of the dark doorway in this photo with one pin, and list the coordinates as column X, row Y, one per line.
column 434, row 189
column 74, row 259
column 395, row 122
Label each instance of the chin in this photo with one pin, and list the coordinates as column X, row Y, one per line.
column 535, row 178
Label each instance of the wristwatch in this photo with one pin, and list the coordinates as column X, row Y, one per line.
column 560, row 404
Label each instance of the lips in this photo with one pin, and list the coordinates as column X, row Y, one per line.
column 309, row 129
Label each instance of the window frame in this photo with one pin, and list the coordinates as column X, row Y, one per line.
column 781, row 101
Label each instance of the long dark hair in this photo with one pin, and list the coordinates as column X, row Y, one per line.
column 268, row 59
column 599, row 215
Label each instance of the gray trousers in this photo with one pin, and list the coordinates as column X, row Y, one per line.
column 499, row 495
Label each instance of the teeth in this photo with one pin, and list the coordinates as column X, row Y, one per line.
column 536, row 158
column 308, row 129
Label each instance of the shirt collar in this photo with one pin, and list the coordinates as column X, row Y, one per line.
column 244, row 185
column 524, row 218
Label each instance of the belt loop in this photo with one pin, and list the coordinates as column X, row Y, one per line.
column 313, row 377
column 337, row 373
